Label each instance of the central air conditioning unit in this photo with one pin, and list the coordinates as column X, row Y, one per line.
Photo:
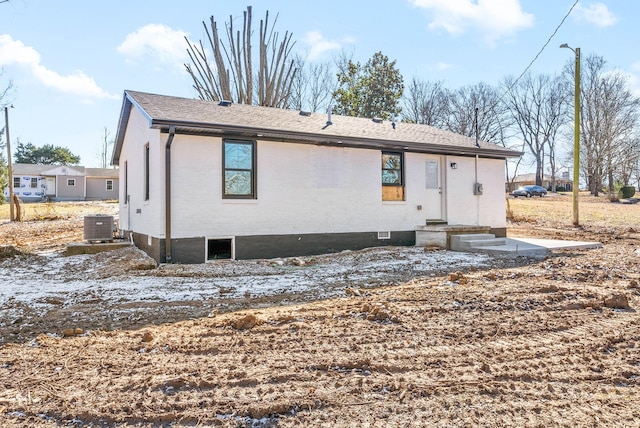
column 98, row 228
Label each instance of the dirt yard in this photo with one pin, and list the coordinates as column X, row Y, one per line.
column 380, row 337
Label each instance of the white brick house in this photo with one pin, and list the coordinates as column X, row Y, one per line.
column 201, row 180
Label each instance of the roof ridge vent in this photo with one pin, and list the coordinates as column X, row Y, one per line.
column 377, row 119
column 305, row 113
column 224, row 103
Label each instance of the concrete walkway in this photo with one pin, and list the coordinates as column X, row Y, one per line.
column 536, row 247
column 488, row 243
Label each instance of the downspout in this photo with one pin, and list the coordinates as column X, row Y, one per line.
column 167, row 194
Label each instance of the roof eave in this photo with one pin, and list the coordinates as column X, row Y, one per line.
column 198, row 128
column 127, row 103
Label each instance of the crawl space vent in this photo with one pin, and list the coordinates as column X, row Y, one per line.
column 384, row 235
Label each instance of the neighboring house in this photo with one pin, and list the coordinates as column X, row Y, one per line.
column 34, row 183
column 562, row 180
column 201, row 180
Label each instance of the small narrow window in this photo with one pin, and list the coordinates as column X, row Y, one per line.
column 34, row 182
column 71, row 182
column 16, row 182
column 126, row 183
column 392, row 177
column 239, row 175
column 146, row 172
column 109, row 184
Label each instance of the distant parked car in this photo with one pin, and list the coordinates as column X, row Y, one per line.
column 529, row 191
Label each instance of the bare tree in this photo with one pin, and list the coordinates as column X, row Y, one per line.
column 426, row 103
column 231, row 76
column 4, row 171
column 609, row 124
column 105, row 148
column 312, row 87
column 537, row 110
column 477, row 111
column 556, row 111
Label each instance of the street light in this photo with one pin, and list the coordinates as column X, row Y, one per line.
column 9, row 167
column 576, row 135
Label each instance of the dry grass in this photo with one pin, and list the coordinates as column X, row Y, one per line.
column 57, row 210
column 558, row 210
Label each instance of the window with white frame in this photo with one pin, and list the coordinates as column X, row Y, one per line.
column 34, row 182
column 71, row 182
column 16, row 182
column 109, row 184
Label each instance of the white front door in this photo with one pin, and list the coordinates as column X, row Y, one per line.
column 433, row 191
column 51, row 186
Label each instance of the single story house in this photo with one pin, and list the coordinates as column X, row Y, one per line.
column 35, row 183
column 201, row 180
column 562, row 181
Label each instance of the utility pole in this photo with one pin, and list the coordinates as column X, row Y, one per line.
column 576, row 135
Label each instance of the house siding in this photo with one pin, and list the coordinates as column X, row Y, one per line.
column 142, row 216
column 97, row 188
column 71, row 193
column 463, row 207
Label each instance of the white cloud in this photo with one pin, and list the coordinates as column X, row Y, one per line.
column 14, row 52
column 158, row 41
column 494, row 19
column 318, row 45
column 595, row 13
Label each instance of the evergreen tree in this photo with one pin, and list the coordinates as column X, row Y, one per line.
column 45, row 155
column 372, row 90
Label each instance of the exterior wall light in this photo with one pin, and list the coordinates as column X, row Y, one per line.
column 453, row 165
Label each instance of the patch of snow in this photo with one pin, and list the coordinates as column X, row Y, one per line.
column 54, row 281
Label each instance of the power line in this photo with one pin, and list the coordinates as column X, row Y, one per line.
column 539, row 52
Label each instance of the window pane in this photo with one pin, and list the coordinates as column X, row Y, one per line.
column 237, row 156
column 390, row 177
column 390, row 161
column 237, row 183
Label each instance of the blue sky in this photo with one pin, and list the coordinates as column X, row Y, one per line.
column 71, row 60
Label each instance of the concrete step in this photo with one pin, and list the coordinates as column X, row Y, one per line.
column 465, row 242
column 489, row 244
column 514, row 248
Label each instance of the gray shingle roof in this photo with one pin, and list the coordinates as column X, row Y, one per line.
column 36, row 169
column 33, row 169
column 207, row 117
column 102, row 172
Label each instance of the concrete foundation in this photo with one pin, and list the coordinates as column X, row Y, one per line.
column 76, row 248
